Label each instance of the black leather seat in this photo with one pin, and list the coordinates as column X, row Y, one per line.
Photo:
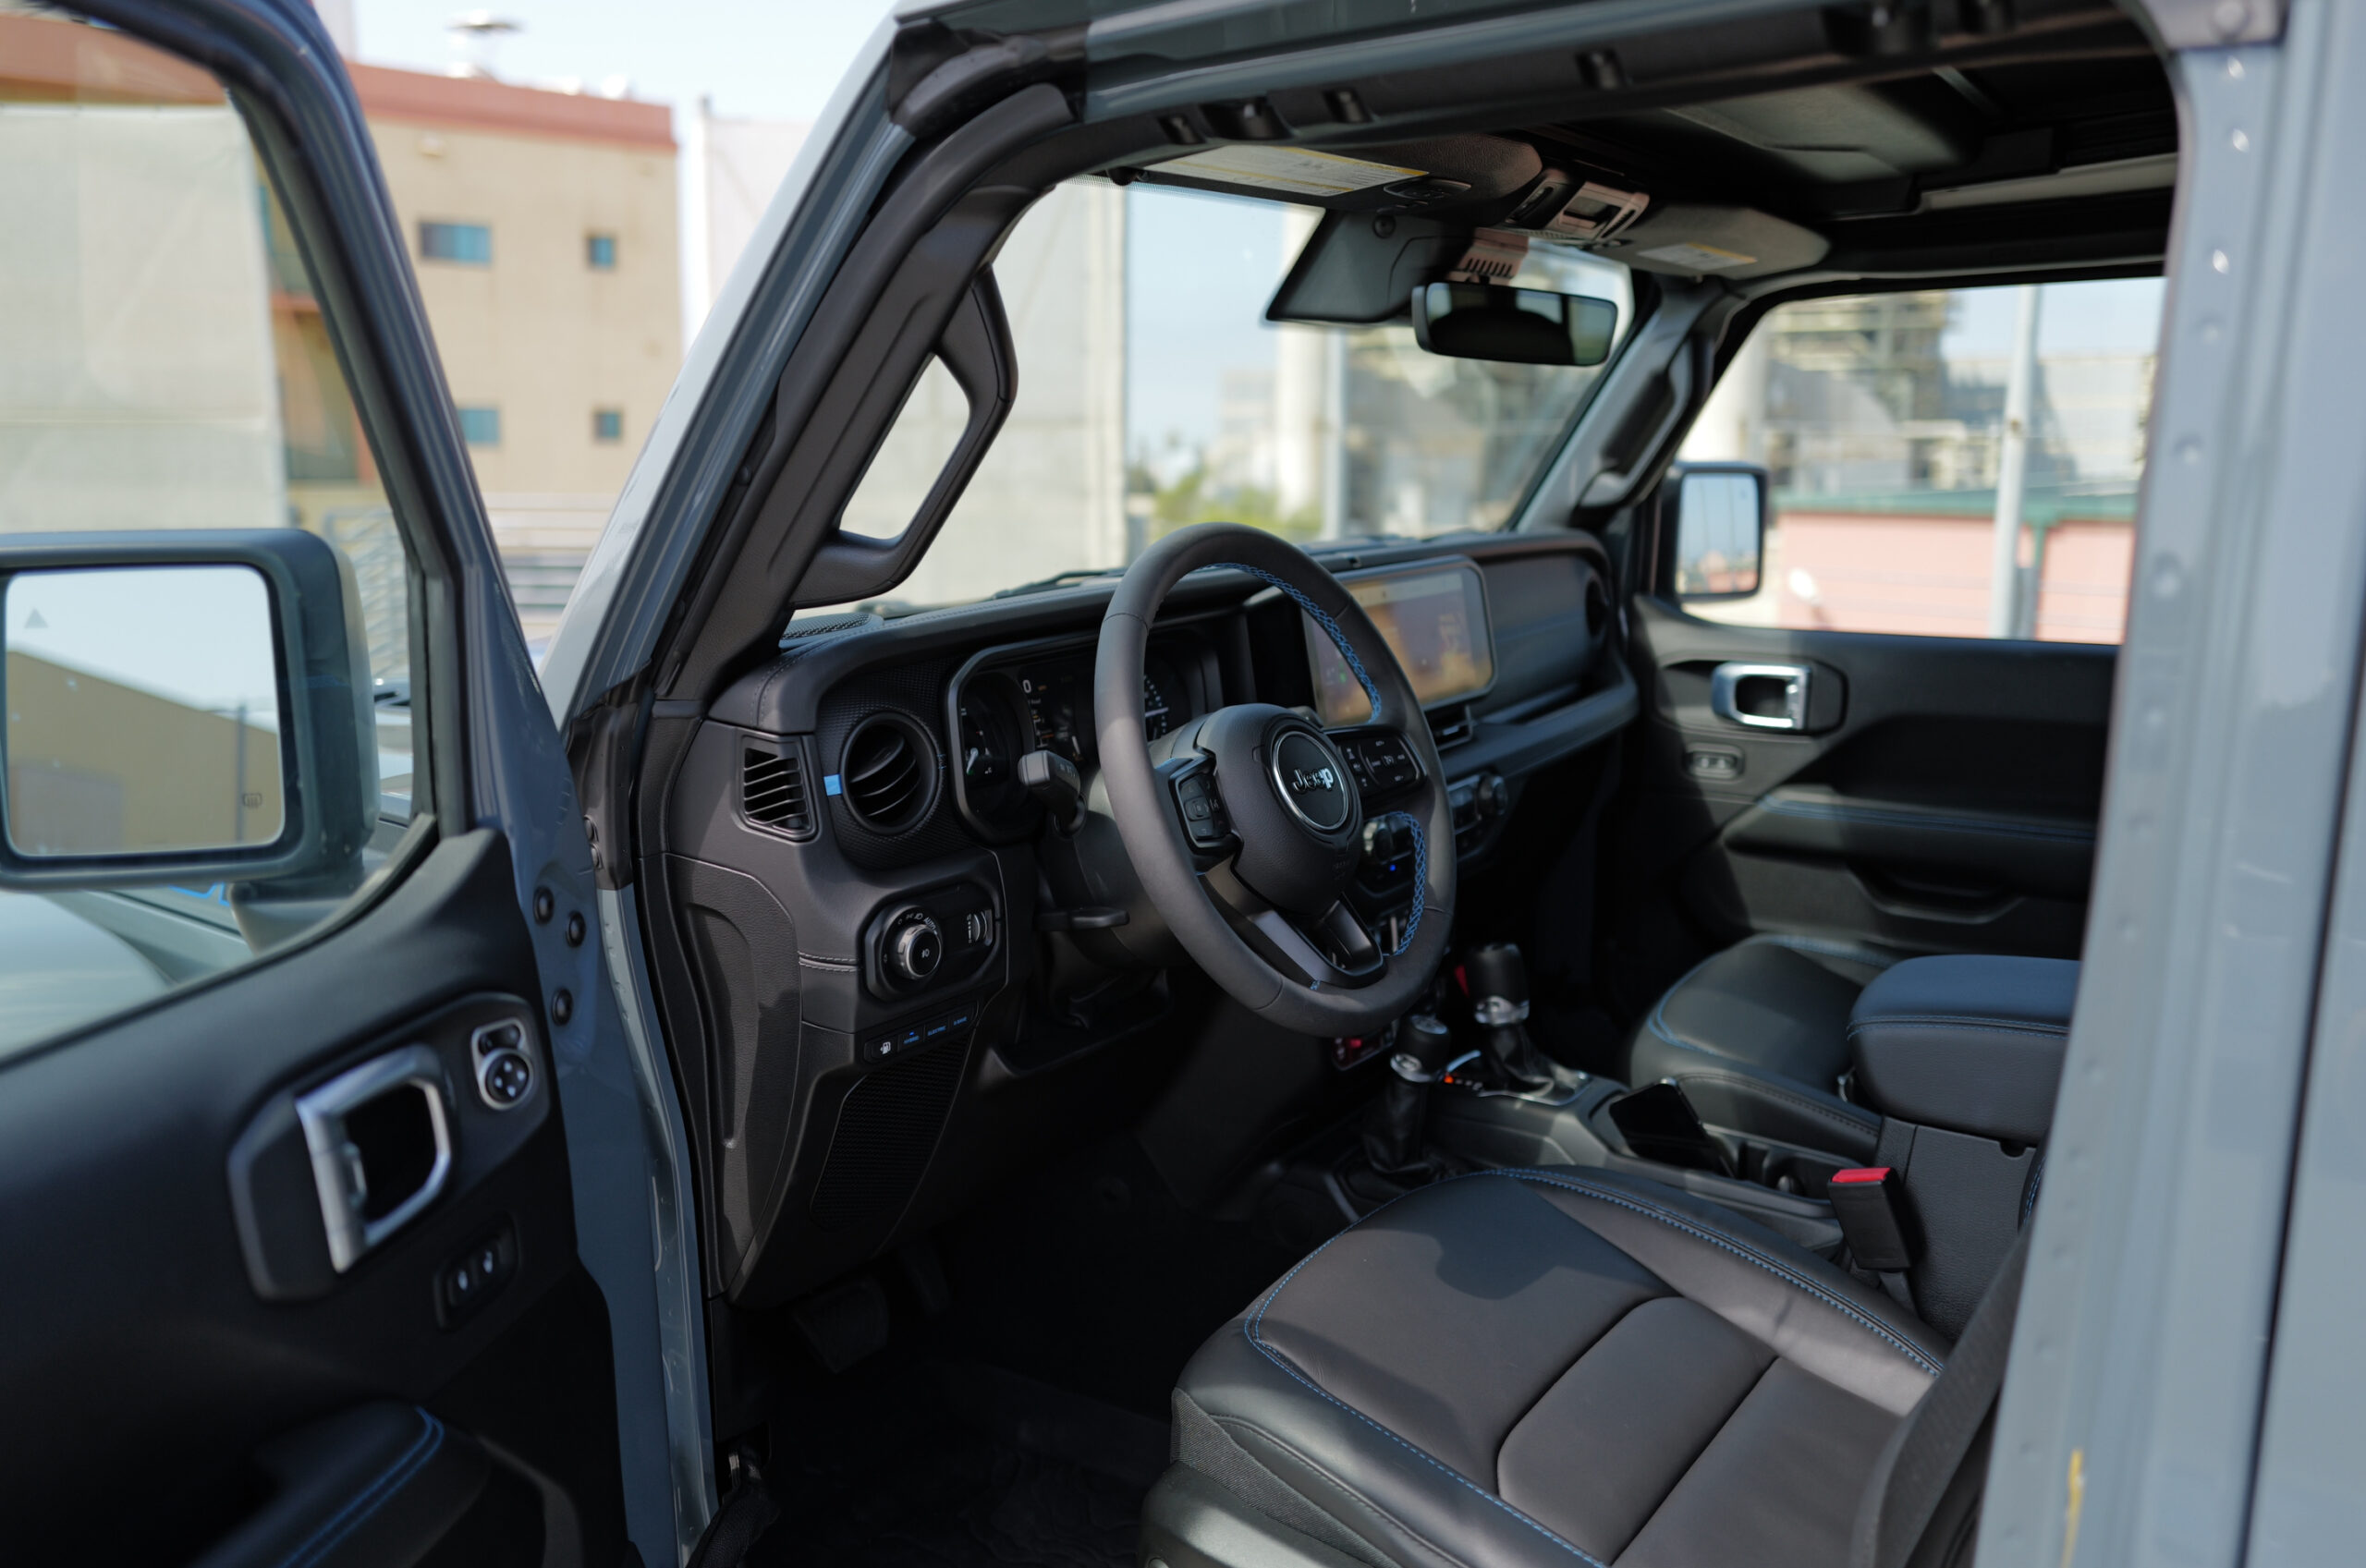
column 1758, row 1034
column 1540, row 1368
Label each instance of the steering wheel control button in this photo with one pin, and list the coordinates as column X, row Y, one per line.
column 1204, row 822
column 1312, row 781
column 1379, row 760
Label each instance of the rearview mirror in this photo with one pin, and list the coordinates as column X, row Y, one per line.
column 181, row 708
column 1720, row 530
column 1524, row 326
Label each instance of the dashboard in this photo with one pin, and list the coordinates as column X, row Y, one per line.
column 910, row 979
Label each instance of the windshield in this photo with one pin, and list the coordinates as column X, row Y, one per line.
column 1153, row 394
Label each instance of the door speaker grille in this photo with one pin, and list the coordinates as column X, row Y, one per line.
column 887, row 1129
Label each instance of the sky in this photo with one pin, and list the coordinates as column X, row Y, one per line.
column 1200, row 270
column 778, row 60
column 199, row 636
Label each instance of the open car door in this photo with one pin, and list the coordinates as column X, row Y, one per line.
column 325, row 1188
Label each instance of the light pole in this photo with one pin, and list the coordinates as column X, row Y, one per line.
column 2012, row 471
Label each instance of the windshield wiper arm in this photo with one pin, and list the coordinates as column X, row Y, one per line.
column 1058, row 579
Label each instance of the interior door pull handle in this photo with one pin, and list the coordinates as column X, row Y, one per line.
column 381, row 1141
column 1760, row 697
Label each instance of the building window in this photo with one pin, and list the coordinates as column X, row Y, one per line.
column 469, row 244
column 607, row 426
column 600, row 252
column 480, row 426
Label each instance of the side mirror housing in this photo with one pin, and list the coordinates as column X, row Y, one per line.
column 184, row 708
column 1523, row 326
column 1720, row 518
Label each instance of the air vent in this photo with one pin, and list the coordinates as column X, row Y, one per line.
column 888, row 773
column 772, row 791
column 1451, row 726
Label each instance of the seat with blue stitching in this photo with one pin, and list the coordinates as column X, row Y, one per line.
column 1552, row 1366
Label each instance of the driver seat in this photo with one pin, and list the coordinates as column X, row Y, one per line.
column 1562, row 1367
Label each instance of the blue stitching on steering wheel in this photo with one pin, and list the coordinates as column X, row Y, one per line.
column 1420, row 886
column 1371, row 695
column 1323, row 618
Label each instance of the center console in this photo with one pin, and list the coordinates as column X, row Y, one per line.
column 1961, row 1054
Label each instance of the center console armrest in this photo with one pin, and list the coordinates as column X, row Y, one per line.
column 1969, row 1043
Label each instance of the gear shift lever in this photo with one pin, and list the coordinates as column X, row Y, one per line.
column 1498, row 984
column 1393, row 1141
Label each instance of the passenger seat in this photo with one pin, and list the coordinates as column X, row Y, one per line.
column 1758, row 1037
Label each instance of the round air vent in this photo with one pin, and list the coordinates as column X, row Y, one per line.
column 888, row 773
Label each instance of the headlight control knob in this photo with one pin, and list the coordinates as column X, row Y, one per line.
column 914, row 949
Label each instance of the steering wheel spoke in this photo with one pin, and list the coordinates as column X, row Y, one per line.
column 1331, row 949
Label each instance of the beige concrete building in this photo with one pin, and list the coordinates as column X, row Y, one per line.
column 542, row 226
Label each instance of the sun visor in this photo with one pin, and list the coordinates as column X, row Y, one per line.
column 1726, row 242
column 1355, row 269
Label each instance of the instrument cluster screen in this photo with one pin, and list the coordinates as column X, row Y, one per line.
column 1433, row 616
column 1058, row 698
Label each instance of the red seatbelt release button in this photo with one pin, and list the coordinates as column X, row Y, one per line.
column 1872, row 1209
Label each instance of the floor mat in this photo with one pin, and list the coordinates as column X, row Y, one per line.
column 931, row 1467
column 1089, row 1275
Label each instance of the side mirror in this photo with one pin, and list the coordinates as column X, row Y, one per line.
column 1524, row 326
column 183, row 708
column 1720, row 529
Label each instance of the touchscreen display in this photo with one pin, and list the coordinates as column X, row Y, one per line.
column 1435, row 617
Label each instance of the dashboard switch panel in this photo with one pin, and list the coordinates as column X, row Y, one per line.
column 930, row 941
column 937, row 1028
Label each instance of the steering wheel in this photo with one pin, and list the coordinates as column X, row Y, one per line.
column 1245, row 825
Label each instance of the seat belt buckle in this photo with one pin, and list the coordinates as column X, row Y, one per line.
column 1867, row 1202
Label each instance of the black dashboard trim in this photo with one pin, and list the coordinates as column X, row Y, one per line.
column 779, row 705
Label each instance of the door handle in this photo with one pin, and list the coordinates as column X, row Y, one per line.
column 1760, row 697
column 381, row 1141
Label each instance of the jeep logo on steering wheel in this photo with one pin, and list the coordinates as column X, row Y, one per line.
column 1310, row 781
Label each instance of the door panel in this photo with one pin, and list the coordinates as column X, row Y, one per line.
column 1942, row 796
column 133, row 1336
column 305, row 1259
